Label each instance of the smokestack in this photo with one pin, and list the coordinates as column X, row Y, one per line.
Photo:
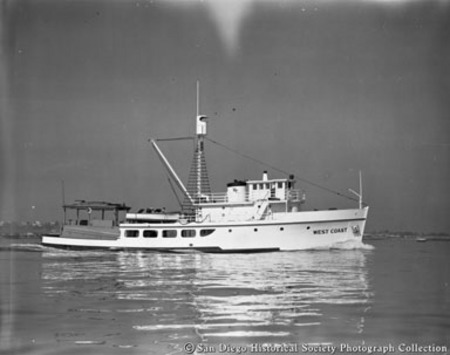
column 265, row 177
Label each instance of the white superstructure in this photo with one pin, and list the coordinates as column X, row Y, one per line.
column 250, row 216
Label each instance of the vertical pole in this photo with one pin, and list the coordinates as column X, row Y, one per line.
column 198, row 145
column 360, row 190
column 199, row 172
column 359, row 194
column 63, row 192
column 198, row 100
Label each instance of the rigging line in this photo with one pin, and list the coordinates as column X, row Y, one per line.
column 282, row 171
column 247, row 156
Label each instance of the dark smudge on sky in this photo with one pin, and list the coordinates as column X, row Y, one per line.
column 317, row 88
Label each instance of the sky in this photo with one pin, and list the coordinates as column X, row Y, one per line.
column 319, row 88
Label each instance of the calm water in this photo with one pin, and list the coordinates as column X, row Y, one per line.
column 389, row 292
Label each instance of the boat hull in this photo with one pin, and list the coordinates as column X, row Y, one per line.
column 292, row 231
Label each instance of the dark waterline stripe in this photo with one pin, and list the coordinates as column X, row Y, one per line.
column 213, row 250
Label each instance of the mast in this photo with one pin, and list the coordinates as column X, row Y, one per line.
column 198, row 182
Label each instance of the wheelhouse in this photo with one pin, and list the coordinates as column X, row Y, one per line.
column 94, row 213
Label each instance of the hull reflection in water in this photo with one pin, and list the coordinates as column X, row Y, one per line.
column 172, row 298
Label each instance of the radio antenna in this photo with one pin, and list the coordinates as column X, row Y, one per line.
column 198, row 97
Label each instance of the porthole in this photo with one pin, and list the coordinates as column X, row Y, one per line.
column 169, row 233
column 150, row 233
column 205, row 232
column 132, row 233
column 188, row 233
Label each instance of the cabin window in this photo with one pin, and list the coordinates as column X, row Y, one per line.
column 132, row 233
column 255, row 187
column 280, row 185
column 188, row 233
column 169, row 233
column 150, row 234
column 267, row 186
column 205, row 232
column 261, row 186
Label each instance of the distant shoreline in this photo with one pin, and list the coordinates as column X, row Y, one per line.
column 25, row 230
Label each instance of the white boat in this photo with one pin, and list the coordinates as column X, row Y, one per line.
column 258, row 215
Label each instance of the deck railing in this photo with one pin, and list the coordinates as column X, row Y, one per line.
column 222, row 197
column 215, row 197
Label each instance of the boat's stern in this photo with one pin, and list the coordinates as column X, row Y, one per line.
column 83, row 236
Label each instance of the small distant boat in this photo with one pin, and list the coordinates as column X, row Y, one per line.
column 421, row 239
column 257, row 215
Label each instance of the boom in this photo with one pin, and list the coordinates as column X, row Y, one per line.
column 172, row 172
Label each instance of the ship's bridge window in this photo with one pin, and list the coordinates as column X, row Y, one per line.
column 205, row 232
column 261, row 186
column 150, row 233
column 132, row 233
column 188, row 233
column 169, row 233
column 255, row 186
column 280, row 185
